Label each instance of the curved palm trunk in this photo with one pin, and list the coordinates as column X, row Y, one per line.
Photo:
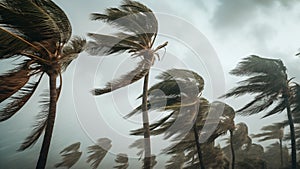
column 232, row 150
column 281, row 155
column 147, row 143
column 292, row 131
column 198, row 147
column 50, row 123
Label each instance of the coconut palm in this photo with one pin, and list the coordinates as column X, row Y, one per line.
column 36, row 34
column 178, row 95
column 70, row 155
column 178, row 92
column 274, row 152
column 98, row 152
column 269, row 81
column 270, row 132
column 138, row 30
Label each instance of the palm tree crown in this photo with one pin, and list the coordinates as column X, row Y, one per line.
column 139, row 29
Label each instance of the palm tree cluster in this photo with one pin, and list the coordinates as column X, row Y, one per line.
column 36, row 35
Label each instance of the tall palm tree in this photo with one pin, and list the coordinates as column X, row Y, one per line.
column 270, row 132
column 180, row 89
column 269, row 81
column 138, row 30
column 36, row 33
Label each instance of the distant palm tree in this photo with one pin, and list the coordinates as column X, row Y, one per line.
column 270, row 132
column 71, row 155
column 139, row 28
column 122, row 160
column 98, row 152
column 178, row 94
column 268, row 79
column 35, row 33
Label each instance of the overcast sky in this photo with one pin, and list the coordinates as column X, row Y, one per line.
column 208, row 37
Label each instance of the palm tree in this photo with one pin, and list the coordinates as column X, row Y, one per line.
column 70, row 154
column 269, row 81
column 98, row 152
column 270, row 132
column 178, row 95
column 180, row 90
column 36, row 33
column 138, row 30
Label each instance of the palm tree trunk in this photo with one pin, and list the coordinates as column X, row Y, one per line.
column 198, row 147
column 232, row 150
column 147, row 144
column 281, row 155
column 50, row 123
column 292, row 131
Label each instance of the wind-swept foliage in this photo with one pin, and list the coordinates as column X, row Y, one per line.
column 273, row 91
column 122, row 161
column 138, row 29
column 98, row 151
column 70, row 155
column 36, row 34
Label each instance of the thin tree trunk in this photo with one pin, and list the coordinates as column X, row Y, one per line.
column 292, row 131
column 147, row 143
column 50, row 123
column 281, row 155
column 232, row 150
column 198, row 147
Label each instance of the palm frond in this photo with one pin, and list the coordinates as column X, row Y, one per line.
column 71, row 51
column 14, row 80
column 98, row 151
column 176, row 161
column 59, row 18
column 19, row 99
column 254, row 65
column 132, row 17
column 16, row 15
column 107, row 44
column 70, row 148
column 40, row 124
column 139, row 72
column 7, row 38
column 122, row 160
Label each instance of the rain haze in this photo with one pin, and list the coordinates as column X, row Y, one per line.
column 208, row 37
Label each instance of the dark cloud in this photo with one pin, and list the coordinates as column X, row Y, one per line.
column 237, row 13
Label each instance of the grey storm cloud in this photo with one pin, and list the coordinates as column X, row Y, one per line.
column 236, row 13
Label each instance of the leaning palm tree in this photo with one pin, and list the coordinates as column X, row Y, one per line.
column 269, row 81
column 36, row 33
column 178, row 95
column 138, row 30
column 179, row 91
column 270, row 132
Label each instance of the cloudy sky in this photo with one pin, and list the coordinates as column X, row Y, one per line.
column 208, row 37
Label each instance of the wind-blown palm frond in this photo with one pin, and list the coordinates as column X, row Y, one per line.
column 70, row 156
column 176, row 161
column 71, row 50
column 267, row 80
column 40, row 124
column 138, row 29
column 98, row 152
column 18, row 100
column 122, row 160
